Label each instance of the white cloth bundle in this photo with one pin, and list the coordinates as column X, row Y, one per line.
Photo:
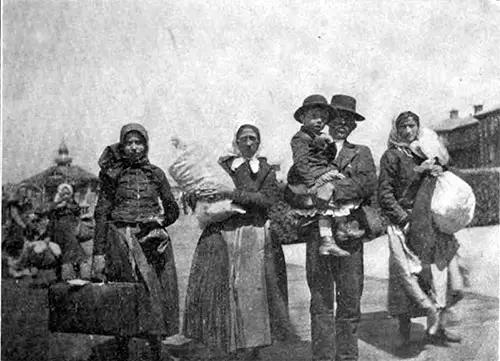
column 453, row 203
column 430, row 146
column 40, row 254
column 195, row 170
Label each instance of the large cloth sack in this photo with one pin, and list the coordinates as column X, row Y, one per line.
column 453, row 203
column 195, row 170
column 97, row 308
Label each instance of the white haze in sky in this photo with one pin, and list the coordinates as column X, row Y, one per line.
column 79, row 70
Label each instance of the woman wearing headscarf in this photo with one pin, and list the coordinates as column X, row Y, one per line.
column 131, row 244
column 64, row 215
column 236, row 298
column 416, row 284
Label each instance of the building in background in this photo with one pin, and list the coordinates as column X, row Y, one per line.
column 489, row 134
column 64, row 171
column 472, row 141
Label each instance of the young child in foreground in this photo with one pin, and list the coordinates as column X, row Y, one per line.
column 312, row 172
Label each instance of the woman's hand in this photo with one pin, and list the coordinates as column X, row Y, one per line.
column 436, row 170
column 218, row 190
column 430, row 167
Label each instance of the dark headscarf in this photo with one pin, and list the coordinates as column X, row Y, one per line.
column 113, row 159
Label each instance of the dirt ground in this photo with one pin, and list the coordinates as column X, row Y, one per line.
column 24, row 311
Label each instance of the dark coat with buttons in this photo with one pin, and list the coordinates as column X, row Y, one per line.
column 309, row 160
column 129, row 193
column 398, row 184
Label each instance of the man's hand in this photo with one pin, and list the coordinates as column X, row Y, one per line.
column 325, row 192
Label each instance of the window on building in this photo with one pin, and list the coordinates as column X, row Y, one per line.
column 491, row 152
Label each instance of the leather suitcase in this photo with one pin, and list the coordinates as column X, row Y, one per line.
column 112, row 308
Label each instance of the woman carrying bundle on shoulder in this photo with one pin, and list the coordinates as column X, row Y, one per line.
column 423, row 271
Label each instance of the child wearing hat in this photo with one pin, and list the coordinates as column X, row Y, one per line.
column 309, row 188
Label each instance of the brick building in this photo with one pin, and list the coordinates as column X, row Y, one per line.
column 472, row 141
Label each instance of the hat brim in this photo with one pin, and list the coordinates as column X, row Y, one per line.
column 357, row 117
column 299, row 112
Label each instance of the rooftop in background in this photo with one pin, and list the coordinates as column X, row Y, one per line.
column 454, row 121
column 483, row 113
column 62, row 171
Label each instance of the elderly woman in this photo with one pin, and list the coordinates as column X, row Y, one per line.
column 131, row 245
column 64, row 215
column 237, row 297
column 416, row 285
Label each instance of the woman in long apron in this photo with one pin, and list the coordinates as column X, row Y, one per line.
column 236, row 298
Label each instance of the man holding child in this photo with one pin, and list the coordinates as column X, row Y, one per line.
column 344, row 179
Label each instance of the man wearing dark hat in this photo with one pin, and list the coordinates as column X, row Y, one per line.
column 336, row 338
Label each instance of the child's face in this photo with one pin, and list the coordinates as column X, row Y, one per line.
column 315, row 119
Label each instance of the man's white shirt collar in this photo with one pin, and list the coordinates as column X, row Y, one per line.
column 339, row 144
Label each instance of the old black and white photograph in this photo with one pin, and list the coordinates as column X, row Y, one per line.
column 274, row 180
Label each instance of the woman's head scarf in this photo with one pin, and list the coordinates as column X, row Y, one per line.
column 60, row 188
column 234, row 150
column 63, row 186
column 426, row 145
column 394, row 138
column 113, row 155
column 135, row 127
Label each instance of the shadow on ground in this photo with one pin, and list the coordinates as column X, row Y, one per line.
column 380, row 330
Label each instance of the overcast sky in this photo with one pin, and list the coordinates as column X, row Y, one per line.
column 79, row 70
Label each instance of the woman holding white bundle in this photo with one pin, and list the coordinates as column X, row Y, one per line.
column 237, row 293
column 421, row 255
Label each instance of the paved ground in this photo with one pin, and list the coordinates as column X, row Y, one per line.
column 24, row 310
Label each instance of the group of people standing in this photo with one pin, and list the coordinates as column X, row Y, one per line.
column 58, row 224
column 237, row 299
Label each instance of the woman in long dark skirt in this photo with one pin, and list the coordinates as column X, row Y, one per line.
column 131, row 244
column 236, row 299
column 64, row 215
column 416, row 287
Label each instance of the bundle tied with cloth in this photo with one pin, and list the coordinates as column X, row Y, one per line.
column 196, row 173
column 38, row 251
column 453, row 201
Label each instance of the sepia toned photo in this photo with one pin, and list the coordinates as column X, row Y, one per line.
column 239, row 180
